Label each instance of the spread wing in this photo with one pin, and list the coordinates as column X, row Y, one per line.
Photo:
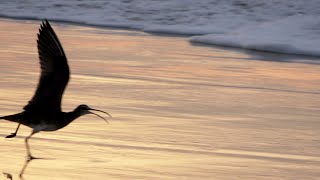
column 54, row 72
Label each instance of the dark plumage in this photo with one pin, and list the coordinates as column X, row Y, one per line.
column 43, row 112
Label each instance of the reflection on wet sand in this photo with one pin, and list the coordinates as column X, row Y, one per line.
column 25, row 167
column 180, row 111
column 7, row 175
column 26, row 164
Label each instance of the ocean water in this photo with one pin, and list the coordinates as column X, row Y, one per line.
column 179, row 111
column 282, row 26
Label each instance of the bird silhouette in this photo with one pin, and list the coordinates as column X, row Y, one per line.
column 43, row 112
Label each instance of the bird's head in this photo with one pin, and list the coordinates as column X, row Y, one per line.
column 84, row 109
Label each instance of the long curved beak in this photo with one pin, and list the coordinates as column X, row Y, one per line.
column 99, row 115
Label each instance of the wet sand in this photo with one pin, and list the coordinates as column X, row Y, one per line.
column 179, row 110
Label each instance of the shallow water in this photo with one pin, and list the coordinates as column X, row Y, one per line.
column 179, row 110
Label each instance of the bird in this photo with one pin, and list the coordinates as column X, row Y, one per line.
column 43, row 112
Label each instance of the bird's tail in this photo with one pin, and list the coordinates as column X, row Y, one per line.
column 13, row 117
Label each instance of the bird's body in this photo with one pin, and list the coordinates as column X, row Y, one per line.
column 43, row 112
column 42, row 121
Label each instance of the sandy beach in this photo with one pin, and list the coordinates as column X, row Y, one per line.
column 179, row 110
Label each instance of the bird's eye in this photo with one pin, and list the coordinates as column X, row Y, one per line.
column 83, row 106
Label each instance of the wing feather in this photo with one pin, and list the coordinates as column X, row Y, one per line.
column 54, row 72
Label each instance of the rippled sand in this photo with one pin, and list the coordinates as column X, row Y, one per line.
column 179, row 110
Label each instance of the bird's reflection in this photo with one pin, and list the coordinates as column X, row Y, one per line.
column 22, row 171
column 7, row 175
column 27, row 162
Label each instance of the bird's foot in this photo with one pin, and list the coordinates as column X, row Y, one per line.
column 11, row 135
column 30, row 157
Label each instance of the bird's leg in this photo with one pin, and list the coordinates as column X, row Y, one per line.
column 15, row 133
column 29, row 156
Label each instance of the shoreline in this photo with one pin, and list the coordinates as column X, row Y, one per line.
column 167, row 34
